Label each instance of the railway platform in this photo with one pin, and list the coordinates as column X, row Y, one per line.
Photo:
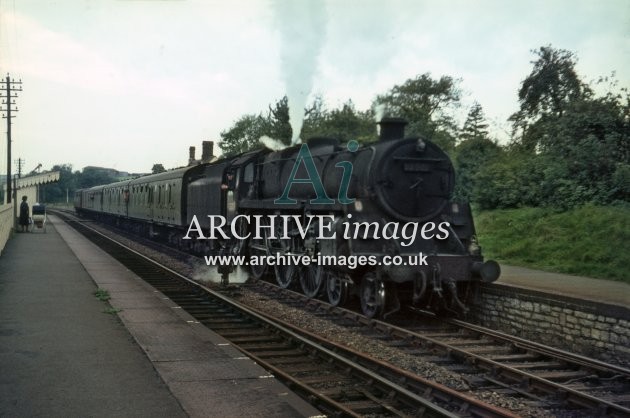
column 63, row 352
column 596, row 290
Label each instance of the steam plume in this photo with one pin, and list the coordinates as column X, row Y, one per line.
column 302, row 32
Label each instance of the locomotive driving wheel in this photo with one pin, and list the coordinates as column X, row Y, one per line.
column 337, row 289
column 285, row 275
column 286, row 271
column 312, row 279
column 372, row 295
column 258, row 249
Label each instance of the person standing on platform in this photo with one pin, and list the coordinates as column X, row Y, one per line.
column 24, row 212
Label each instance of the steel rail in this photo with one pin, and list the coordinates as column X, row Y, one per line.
column 495, row 368
column 366, row 374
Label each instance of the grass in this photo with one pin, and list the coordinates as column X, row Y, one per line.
column 112, row 311
column 102, row 295
column 592, row 241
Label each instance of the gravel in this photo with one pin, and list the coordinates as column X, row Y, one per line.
column 195, row 267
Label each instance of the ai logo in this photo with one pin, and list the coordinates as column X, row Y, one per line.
column 304, row 156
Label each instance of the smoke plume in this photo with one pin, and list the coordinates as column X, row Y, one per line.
column 302, row 27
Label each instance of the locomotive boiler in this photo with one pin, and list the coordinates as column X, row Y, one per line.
column 376, row 221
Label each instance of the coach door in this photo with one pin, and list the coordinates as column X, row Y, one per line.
column 126, row 201
column 150, row 201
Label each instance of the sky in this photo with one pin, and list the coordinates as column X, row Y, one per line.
column 130, row 83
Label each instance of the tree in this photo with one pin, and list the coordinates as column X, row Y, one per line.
column 545, row 93
column 277, row 124
column 243, row 136
column 65, row 186
column 314, row 118
column 157, row 168
column 425, row 103
column 474, row 151
column 575, row 146
column 552, row 83
column 345, row 123
column 589, row 144
column 470, row 156
column 93, row 176
column 475, row 125
column 510, row 180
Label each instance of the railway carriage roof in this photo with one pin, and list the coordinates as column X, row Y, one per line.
column 177, row 173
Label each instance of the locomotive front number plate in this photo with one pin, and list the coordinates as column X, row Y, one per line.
column 415, row 167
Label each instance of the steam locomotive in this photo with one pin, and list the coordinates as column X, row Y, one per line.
column 376, row 221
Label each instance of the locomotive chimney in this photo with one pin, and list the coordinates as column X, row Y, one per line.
column 207, row 151
column 191, row 155
column 392, row 128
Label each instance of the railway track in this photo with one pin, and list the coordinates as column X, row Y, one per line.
column 337, row 381
column 552, row 379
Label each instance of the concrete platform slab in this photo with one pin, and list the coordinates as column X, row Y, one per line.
column 597, row 290
column 207, row 375
column 218, row 400
column 60, row 355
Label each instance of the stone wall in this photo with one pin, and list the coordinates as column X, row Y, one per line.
column 6, row 224
column 586, row 327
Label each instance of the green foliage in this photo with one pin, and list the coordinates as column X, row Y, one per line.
column 70, row 181
column 93, row 176
column 588, row 241
column 112, row 311
column 425, row 103
column 345, row 124
column 102, row 295
column 620, row 183
column 157, row 168
column 569, row 147
column 471, row 156
column 552, row 84
column 277, row 123
column 508, row 181
column 475, row 126
column 246, row 132
column 574, row 147
column 473, row 153
column 67, row 184
column 243, row 135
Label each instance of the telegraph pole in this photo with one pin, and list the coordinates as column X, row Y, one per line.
column 20, row 163
column 8, row 89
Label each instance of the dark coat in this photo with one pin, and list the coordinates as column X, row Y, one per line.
column 24, row 213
